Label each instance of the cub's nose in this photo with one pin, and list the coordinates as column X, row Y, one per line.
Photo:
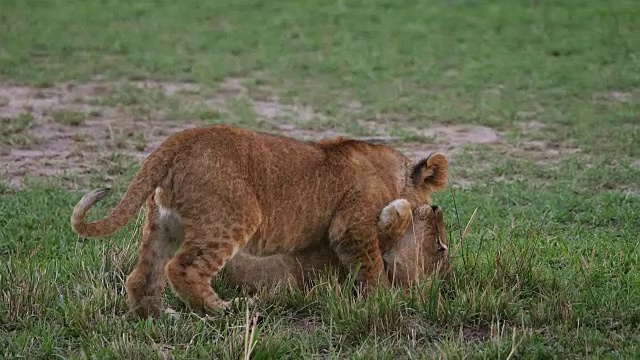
column 435, row 208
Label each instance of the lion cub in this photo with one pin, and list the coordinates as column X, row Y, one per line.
column 421, row 251
column 213, row 190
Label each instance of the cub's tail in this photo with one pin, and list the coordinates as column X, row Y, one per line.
column 141, row 187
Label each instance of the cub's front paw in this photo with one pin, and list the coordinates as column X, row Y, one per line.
column 398, row 209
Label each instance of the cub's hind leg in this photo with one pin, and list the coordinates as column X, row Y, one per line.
column 161, row 235
column 211, row 239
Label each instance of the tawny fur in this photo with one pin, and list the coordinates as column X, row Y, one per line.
column 418, row 253
column 215, row 190
column 422, row 251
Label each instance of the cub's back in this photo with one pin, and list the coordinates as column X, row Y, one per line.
column 298, row 185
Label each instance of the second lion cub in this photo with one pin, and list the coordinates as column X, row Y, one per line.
column 215, row 190
column 421, row 251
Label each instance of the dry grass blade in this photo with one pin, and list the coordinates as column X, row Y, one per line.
column 249, row 333
column 514, row 345
column 464, row 233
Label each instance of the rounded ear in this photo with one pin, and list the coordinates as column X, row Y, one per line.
column 432, row 171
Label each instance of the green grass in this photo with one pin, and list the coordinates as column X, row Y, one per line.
column 11, row 131
column 550, row 267
column 69, row 117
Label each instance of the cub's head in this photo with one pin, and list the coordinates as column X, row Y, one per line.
column 424, row 177
column 422, row 250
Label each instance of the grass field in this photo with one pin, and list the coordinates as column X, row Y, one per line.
column 536, row 102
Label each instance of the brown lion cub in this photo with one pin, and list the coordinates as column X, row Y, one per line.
column 420, row 252
column 215, row 190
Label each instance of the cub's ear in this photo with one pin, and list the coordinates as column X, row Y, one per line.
column 432, row 171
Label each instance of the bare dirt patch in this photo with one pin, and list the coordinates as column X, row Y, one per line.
column 542, row 152
column 83, row 130
column 449, row 139
column 77, row 146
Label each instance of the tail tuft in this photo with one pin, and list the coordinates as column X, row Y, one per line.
column 101, row 193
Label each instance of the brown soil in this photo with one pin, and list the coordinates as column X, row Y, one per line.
column 87, row 148
column 58, row 148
